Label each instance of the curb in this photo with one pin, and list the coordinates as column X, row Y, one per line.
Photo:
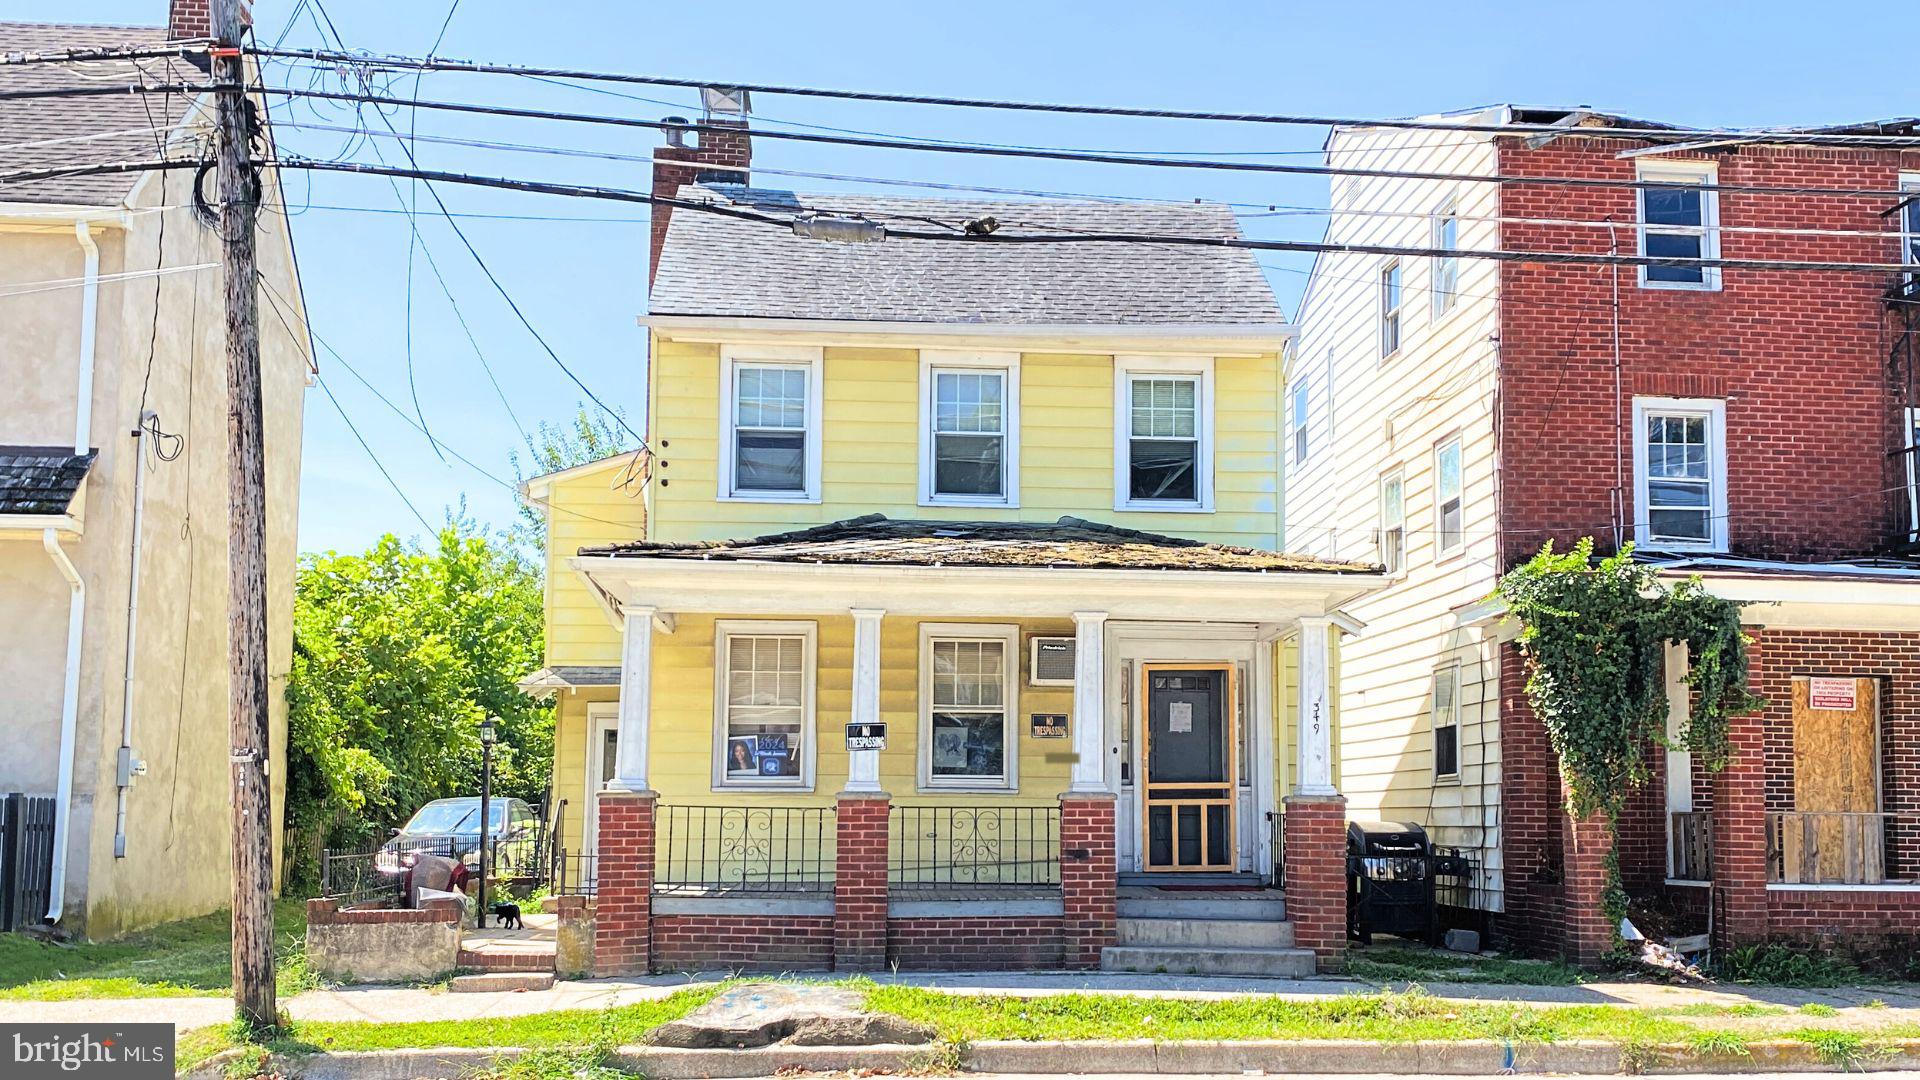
column 1301, row 1056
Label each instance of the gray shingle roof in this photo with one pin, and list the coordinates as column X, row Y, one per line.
column 83, row 130
column 719, row 266
column 1068, row 542
column 40, row 479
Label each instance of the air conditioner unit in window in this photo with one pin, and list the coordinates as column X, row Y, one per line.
column 1052, row 662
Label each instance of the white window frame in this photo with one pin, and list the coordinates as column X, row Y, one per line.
column 1396, row 315
column 1008, row 364
column 1912, row 445
column 1300, row 419
column 1909, row 237
column 809, row 633
column 1441, row 551
column 1008, row 636
column 1450, row 672
column 1683, row 172
column 1124, row 370
column 1444, row 301
column 732, row 357
column 1393, row 476
column 1714, row 411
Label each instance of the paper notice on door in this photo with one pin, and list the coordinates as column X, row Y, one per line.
column 1179, row 717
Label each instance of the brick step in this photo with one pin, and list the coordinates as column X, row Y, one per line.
column 494, row 982
column 1133, row 903
column 1207, row 933
column 504, row 961
column 1269, row 963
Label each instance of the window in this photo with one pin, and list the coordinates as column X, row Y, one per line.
column 1445, row 229
column 970, row 429
column 763, row 697
column 1300, row 422
column 1679, row 220
column 1393, row 523
column 1448, row 505
column 1446, row 723
column 1680, row 473
column 771, row 415
column 1163, row 445
column 1910, row 222
column 1913, row 474
column 1389, row 309
column 968, row 674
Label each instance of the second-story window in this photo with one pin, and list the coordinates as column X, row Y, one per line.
column 1449, row 504
column 970, row 448
column 1300, row 414
column 1163, row 438
column 1445, row 229
column 771, row 413
column 1393, row 522
column 1910, row 223
column 1390, row 301
column 1679, row 219
column 1680, row 473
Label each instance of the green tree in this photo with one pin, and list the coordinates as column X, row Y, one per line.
column 398, row 654
column 589, row 436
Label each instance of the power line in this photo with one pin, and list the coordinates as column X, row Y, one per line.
column 1648, row 133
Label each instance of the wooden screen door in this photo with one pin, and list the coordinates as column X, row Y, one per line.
column 1190, row 767
column 1835, row 832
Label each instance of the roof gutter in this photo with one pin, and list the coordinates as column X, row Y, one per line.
column 1207, row 339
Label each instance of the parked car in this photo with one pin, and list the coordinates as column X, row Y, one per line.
column 451, row 827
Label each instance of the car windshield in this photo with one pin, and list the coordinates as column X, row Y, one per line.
column 456, row 815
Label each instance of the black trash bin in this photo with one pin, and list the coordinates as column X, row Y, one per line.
column 1389, row 881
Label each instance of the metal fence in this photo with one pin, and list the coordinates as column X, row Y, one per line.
column 375, row 872
column 973, row 847
column 26, row 860
column 758, row 849
column 573, row 873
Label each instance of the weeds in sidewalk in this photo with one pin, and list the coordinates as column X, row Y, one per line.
column 1720, row 1042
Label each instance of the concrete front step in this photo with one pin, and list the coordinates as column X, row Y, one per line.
column 1162, row 904
column 1270, row 963
column 501, row 981
column 491, row 960
column 1207, row 933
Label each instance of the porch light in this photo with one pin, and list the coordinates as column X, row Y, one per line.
column 488, row 731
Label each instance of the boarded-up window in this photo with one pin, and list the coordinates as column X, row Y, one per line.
column 1834, row 833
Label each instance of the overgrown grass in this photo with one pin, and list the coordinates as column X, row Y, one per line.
column 574, row 1035
column 1744, row 1010
column 1413, row 964
column 190, row 958
column 1388, row 1017
column 1779, row 965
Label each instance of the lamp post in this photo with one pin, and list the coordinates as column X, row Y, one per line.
column 488, row 734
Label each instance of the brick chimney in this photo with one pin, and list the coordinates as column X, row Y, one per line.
column 676, row 164
column 189, row 20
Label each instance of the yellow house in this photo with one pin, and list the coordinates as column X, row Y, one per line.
column 983, row 533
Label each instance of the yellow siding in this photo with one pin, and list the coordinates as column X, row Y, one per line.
column 871, row 449
column 583, row 511
column 570, row 760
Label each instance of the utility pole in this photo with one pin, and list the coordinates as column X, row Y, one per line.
column 253, row 990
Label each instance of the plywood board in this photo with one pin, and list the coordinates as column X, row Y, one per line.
column 1836, row 780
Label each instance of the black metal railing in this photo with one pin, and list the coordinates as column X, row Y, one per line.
column 26, row 860
column 973, row 847
column 759, row 849
column 573, row 873
column 375, row 872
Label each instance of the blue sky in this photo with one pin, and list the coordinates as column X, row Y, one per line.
column 581, row 282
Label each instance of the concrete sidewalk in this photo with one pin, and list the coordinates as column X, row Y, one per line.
column 386, row 1004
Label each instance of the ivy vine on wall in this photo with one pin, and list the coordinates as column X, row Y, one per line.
column 1595, row 635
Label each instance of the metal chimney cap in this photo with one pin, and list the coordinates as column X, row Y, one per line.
column 676, row 129
column 727, row 100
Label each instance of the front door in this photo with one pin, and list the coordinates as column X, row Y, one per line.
column 1190, row 767
column 603, row 737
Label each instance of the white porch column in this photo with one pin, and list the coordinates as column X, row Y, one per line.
column 863, row 766
column 1089, row 702
column 1316, row 715
column 636, row 699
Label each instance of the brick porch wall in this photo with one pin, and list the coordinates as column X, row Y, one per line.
column 746, row 943
column 1316, row 876
column 976, row 944
column 1089, row 869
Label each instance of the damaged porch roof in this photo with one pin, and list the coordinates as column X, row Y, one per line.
column 1067, row 543
column 41, row 480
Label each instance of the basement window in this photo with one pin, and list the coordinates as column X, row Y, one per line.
column 1681, row 220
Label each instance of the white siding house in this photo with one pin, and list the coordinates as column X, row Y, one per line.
column 1393, row 380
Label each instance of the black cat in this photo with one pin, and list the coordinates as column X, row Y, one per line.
column 508, row 916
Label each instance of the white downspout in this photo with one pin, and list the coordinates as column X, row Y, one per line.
column 89, row 315
column 125, row 767
column 69, row 715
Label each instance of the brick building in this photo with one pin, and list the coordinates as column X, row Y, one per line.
column 1754, row 427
